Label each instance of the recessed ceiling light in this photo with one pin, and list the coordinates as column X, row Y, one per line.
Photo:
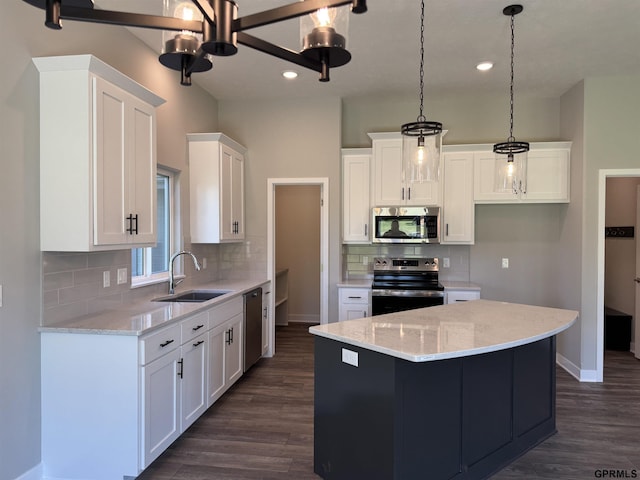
column 289, row 74
column 484, row 66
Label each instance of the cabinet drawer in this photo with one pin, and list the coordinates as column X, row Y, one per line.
column 462, row 296
column 355, row 295
column 194, row 326
column 221, row 313
column 157, row 344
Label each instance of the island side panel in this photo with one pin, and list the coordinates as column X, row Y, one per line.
column 428, row 421
column 353, row 420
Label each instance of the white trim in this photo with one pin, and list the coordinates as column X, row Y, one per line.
column 272, row 183
column 575, row 371
column 603, row 174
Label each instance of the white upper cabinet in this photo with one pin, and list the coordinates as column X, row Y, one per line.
column 97, row 157
column 355, row 195
column 458, row 209
column 548, row 170
column 216, row 186
column 389, row 186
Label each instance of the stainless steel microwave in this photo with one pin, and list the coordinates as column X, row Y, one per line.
column 405, row 224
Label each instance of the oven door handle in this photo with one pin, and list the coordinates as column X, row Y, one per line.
column 406, row 293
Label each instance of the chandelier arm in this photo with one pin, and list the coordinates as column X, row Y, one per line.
column 286, row 12
column 278, row 52
column 206, row 9
column 129, row 19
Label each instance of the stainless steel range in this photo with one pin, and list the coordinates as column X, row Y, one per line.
column 404, row 284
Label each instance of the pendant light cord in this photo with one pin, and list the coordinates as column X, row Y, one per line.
column 421, row 117
column 511, row 138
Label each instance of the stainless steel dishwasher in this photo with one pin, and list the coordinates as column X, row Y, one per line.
column 252, row 327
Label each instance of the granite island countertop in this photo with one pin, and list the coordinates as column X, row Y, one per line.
column 450, row 331
column 144, row 316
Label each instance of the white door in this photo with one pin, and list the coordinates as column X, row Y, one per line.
column 637, row 280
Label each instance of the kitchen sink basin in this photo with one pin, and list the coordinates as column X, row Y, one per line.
column 195, row 296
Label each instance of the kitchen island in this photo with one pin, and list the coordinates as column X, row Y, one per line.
column 453, row 391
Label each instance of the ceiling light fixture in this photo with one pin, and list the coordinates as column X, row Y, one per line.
column 511, row 156
column 289, row 74
column 484, row 66
column 421, row 156
column 199, row 28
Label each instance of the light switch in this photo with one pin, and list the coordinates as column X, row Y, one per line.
column 445, row 262
column 106, row 279
column 505, row 263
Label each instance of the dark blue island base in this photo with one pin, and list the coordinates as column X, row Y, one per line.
column 458, row 418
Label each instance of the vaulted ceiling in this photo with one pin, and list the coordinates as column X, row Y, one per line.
column 558, row 43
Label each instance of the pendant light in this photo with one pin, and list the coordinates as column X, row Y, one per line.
column 421, row 139
column 511, row 156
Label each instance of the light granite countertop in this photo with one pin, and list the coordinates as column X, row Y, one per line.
column 450, row 331
column 146, row 315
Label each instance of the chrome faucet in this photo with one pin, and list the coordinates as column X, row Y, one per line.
column 172, row 282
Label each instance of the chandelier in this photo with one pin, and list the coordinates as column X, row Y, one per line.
column 420, row 156
column 511, row 156
column 196, row 29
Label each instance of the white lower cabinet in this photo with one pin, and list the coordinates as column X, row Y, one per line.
column 455, row 296
column 354, row 302
column 226, row 348
column 111, row 404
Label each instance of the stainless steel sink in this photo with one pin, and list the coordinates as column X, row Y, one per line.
column 194, row 296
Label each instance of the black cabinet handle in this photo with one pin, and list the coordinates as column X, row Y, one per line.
column 227, row 340
column 197, row 328
column 132, row 219
column 162, row 345
column 197, row 344
column 409, row 193
column 181, row 363
column 231, row 336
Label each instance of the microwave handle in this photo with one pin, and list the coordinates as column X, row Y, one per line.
column 366, row 230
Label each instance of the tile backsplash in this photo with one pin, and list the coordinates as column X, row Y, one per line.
column 72, row 283
column 357, row 260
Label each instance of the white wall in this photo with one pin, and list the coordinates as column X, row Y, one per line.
column 24, row 35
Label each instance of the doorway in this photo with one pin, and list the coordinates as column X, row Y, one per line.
column 273, row 184
column 600, row 301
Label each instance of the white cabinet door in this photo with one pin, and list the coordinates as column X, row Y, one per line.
column 97, row 157
column 216, row 185
column 217, row 384
column 266, row 324
column 548, row 173
column 124, row 167
column 235, row 350
column 355, row 195
column 389, row 184
column 458, row 209
column 193, row 386
column 232, row 194
column 225, row 357
column 161, row 393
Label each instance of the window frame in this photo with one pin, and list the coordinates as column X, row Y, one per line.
column 149, row 278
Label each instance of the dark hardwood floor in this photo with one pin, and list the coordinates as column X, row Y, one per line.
column 262, row 428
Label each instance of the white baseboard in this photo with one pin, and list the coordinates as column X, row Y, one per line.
column 304, row 318
column 34, row 474
column 579, row 374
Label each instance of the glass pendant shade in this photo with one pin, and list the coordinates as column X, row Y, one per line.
column 421, row 157
column 511, row 172
column 180, row 48
column 323, row 37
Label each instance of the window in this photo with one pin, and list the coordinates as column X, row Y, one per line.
column 151, row 264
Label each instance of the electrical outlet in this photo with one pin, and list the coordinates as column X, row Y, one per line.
column 106, row 279
column 365, row 260
column 505, row 263
column 445, row 262
column 350, row 357
column 122, row 276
